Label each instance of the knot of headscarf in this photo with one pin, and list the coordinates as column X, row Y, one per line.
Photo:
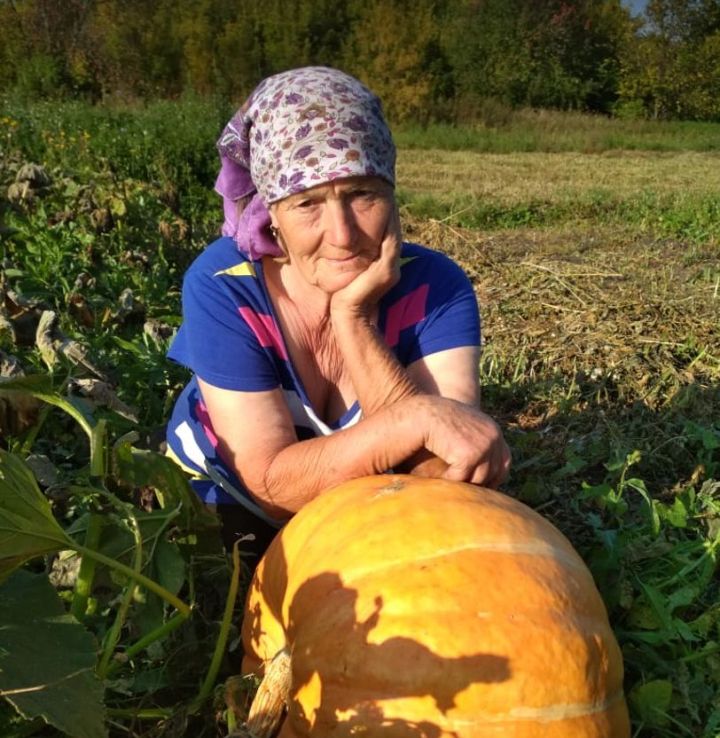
column 298, row 129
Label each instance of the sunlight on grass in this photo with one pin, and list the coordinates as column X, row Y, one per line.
column 503, row 130
column 561, row 177
column 671, row 194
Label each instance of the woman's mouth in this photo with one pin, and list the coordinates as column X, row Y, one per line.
column 350, row 260
column 344, row 257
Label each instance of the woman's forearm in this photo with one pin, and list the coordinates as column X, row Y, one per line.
column 302, row 470
column 377, row 376
column 283, row 474
column 469, row 443
column 380, row 381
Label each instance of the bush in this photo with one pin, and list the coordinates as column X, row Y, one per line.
column 39, row 77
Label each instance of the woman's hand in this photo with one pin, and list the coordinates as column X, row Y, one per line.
column 469, row 442
column 365, row 291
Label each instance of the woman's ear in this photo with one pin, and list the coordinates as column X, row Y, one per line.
column 275, row 230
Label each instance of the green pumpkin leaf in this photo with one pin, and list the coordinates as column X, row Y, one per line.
column 170, row 566
column 27, row 526
column 675, row 514
column 652, row 701
column 47, row 659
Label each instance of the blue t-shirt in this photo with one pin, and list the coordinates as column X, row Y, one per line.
column 231, row 338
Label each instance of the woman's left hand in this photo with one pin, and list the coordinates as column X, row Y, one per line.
column 365, row 291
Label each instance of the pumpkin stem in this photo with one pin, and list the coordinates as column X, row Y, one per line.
column 268, row 707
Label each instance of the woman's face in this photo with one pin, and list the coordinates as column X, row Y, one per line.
column 332, row 232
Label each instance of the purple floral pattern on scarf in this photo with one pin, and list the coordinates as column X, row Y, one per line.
column 297, row 129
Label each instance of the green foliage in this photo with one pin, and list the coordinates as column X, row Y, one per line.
column 27, row 526
column 47, row 659
column 51, row 660
column 88, row 248
column 655, row 562
column 38, row 76
column 429, row 61
column 390, row 49
column 553, row 54
column 674, row 70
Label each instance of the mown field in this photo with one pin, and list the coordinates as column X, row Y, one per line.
column 597, row 266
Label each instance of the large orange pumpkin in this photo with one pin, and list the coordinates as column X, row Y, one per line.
column 419, row 608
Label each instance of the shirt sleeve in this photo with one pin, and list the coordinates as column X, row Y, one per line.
column 436, row 309
column 222, row 337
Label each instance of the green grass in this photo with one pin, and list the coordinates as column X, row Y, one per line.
column 670, row 194
column 696, row 220
column 505, row 131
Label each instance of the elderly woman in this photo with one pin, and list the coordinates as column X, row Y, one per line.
column 323, row 348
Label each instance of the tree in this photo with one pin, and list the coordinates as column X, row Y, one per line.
column 674, row 69
column 553, row 53
column 394, row 48
column 41, row 46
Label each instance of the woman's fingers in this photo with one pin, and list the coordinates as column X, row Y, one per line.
column 470, row 442
column 500, row 467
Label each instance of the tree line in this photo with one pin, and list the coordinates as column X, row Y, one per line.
column 429, row 60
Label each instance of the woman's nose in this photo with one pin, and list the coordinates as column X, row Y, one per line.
column 340, row 223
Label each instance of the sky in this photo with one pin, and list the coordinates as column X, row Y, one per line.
column 637, row 6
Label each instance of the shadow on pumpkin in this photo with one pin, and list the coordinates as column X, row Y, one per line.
column 334, row 648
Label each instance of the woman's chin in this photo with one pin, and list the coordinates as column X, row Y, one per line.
column 334, row 284
column 338, row 276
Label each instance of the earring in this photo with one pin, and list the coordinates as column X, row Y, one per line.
column 275, row 232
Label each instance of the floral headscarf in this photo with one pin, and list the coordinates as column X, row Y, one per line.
column 297, row 129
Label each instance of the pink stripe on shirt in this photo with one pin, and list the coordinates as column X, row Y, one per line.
column 406, row 312
column 204, row 417
column 265, row 330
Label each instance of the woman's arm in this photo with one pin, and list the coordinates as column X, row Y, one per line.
column 451, row 373
column 257, row 438
column 378, row 377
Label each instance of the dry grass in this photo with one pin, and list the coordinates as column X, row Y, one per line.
column 598, row 300
column 618, row 308
column 592, row 333
column 509, row 179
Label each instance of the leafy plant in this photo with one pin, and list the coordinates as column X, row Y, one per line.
column 152, row 542
column 656, row 562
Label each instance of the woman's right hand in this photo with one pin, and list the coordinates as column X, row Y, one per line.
column 467, row 440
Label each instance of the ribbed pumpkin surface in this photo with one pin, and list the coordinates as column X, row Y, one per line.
column 417, row 607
